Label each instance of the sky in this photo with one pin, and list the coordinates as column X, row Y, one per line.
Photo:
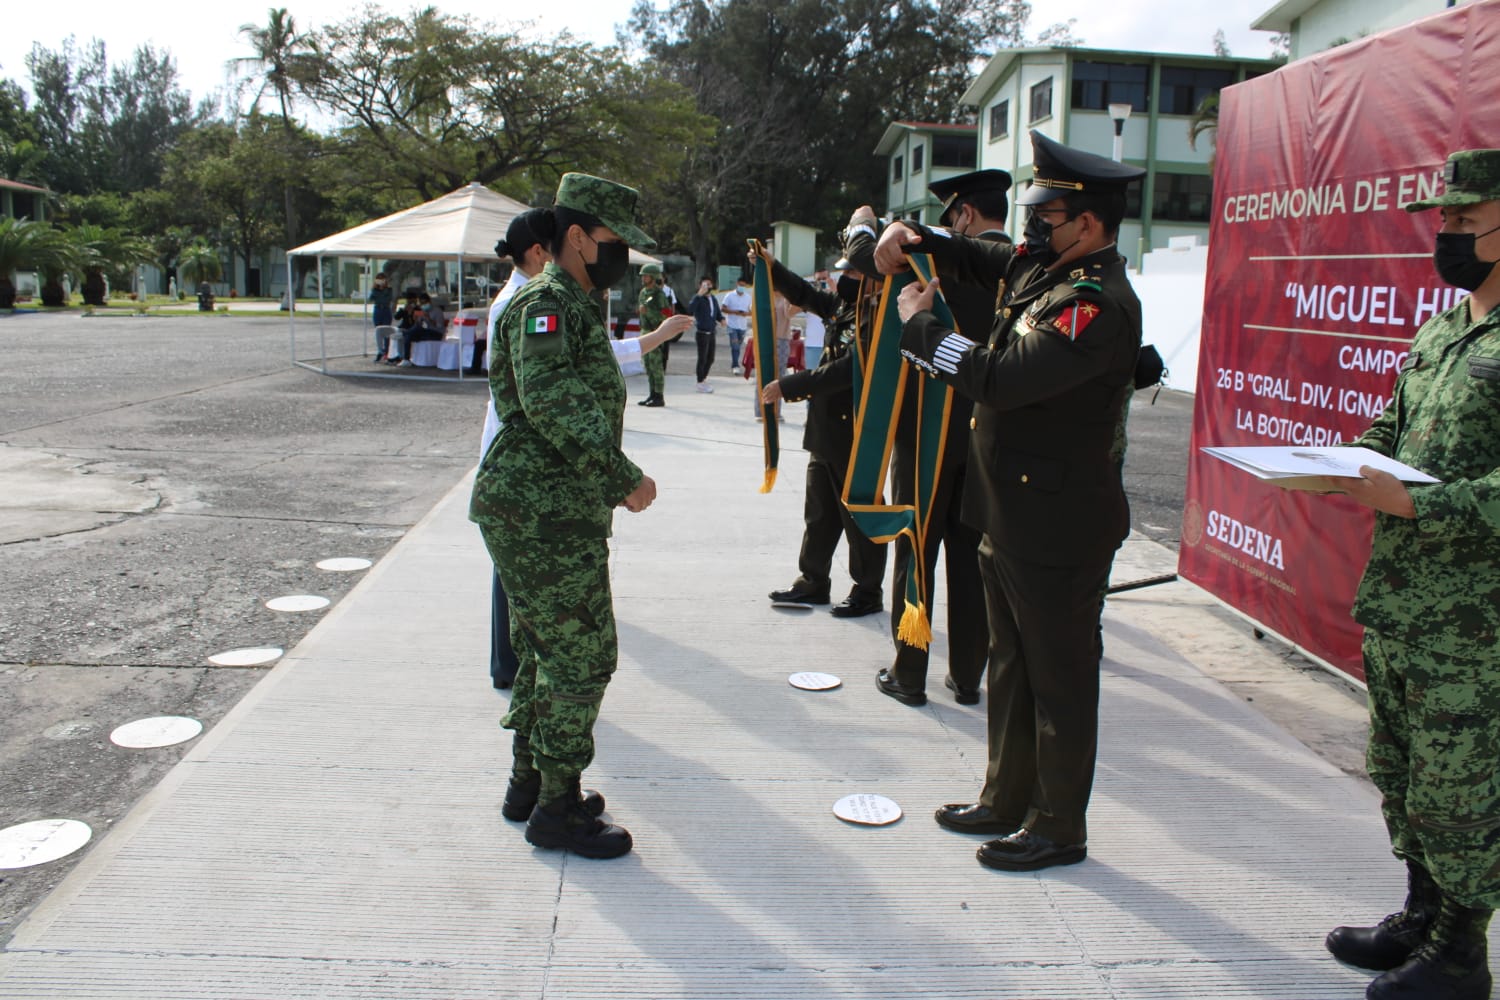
column 204, row 37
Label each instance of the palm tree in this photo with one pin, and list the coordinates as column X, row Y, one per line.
column 199, row 262
column 1205, row 122
column 27, row 245
column 283, row 57
column 106, row 251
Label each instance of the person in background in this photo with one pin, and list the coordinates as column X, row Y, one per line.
column 707, row 316
column 736, row 307
column 382, row 297
column 529, row 254
column 651, row 305
column 430, row 324
column 1430, row 605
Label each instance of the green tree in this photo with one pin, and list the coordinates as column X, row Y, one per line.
column 802, row 91
column 282, row 60
column 26, row 245
column 199, row 262
column 102, row 252
column 429, row 102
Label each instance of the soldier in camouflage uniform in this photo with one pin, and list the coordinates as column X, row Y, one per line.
column 1050, row 385
column 652, row 306
column 544, row 499
column 1430, row 604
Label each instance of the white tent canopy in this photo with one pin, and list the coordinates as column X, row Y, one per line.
column 463, row 225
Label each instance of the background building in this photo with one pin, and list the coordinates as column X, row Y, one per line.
column 1316, row 25
column 918, row 153
column 1066, row 93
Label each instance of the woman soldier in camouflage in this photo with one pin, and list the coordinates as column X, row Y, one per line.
column 544, row 499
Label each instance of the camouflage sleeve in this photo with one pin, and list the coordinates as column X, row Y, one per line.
column 1380, row 436
column 1460, row 509
column 1069, row 342
column 558, row 403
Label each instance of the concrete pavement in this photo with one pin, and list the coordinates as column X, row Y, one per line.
column 338, row 834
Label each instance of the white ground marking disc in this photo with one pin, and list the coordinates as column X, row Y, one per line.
column 161, row 731
column 348, row 565
column 867, row 810
column 813, row 681
column 297, row 602
column 41, row 841
column 250, row 656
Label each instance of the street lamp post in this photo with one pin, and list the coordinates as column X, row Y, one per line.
column 1118, row 113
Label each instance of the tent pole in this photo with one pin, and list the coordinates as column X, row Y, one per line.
column 455, row 317
column 291, row 314
column 322, row 331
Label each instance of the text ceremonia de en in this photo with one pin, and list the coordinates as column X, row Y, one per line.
column 1375, row 194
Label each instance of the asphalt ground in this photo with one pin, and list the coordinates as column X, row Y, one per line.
column 168, row 475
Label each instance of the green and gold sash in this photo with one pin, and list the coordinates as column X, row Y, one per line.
column 879, row 389
column 763, row 324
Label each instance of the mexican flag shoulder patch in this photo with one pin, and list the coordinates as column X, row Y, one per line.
column 543, row 323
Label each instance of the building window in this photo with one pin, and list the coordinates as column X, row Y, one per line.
column 1041, row 100
column 1000, row 121
column 916, row 160
column 896, row 170
column 954, row 151
column 1183, row 88
column 1182, row 197
column 1097, row 85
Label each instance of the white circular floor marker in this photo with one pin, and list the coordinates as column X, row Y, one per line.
column 867, row 810
column 297, row 602
column 811, row 680
column 249, row 656
column 160, row 731
column 41, row 841
column 344, row 565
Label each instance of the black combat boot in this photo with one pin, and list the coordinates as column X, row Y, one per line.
column 1452, row 964
column 564, row 824
column 1390, row 942
column 526, row 786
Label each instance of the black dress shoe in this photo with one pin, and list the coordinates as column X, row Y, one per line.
column 853, row 607
column 890, row 686
column 971, row 817
column 795, row 596
column 962, row 695
column 1024, row 851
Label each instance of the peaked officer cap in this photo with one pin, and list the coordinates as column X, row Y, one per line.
column 612, row 204
column 1062, row 170
column 950, row 189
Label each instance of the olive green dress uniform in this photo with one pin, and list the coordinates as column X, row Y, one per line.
column 652, row 306
column 968, row 635
column 829, row 439
column 1044, row 486
column 1430, row 603
column 544, row 498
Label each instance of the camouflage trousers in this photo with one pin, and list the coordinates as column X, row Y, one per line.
column 562, row 626
column 1433, row 754
column 656, row 369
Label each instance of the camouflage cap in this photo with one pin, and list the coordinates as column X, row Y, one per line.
column 1469, row 177
column 612, row 204
column 651, row 269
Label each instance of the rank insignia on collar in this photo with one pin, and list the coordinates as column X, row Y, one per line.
column 1075, row 274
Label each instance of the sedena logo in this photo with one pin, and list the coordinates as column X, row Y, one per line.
column 1258, row 545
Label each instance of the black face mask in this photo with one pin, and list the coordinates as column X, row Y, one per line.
column 849, row 288
column 1457, row 263
column 610, row 264
column 1037, row 238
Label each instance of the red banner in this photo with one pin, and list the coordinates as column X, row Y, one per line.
column 1317, row 282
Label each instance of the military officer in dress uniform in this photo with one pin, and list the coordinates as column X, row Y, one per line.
column 651, row 306
column 1050, row 382
column 974, row 204
column 544, row 498
column 829, row 435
